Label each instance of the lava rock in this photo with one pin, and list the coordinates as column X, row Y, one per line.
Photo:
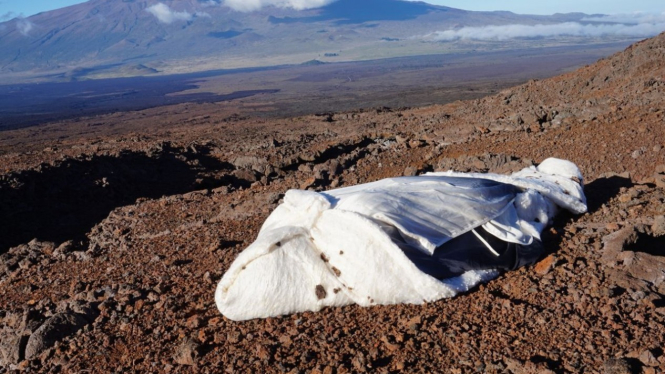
column 617, row 366
column 186, row 353
column 658, row 227
column 11, row 347
column 545, row 265
column 53, row 330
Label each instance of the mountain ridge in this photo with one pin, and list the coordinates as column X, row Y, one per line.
column 184, row 36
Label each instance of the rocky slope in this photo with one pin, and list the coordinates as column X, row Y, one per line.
column 134, row 229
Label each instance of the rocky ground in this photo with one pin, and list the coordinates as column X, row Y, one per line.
column 112, row 244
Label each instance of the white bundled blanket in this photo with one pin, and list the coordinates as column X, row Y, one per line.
column 330, row 249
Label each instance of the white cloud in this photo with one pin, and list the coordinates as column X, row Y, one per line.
column 208, row 3
column 252, row 5
column 167, row 15
column 24, row 26
column 630, row 19
column 506, row 32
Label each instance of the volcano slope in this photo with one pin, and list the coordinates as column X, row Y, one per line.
column 113, row 244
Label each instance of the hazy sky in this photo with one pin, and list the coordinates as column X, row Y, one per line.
column 12, row 8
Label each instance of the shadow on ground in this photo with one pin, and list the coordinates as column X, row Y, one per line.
column 602, row 190
column 598, row 192
column 63, row 202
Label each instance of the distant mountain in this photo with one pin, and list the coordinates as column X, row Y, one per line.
column 354, row 11
column 108, row 38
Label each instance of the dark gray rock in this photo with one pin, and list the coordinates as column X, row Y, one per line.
column 251, row 162
column 245, row 175
column 12, row 345
column 617, row 366
column 53, row 330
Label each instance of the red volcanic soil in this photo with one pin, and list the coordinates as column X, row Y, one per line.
column 114, row 240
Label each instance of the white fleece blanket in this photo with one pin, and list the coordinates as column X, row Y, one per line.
column 328, row 249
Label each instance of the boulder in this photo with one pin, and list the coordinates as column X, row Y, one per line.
column 11, row 347
column 55, row 329
column 186, row 353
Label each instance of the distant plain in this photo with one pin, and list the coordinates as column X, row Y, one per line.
column 289, row 90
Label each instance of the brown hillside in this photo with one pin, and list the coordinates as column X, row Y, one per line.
column 134, row 229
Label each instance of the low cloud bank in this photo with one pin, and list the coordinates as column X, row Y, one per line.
column 629, row 19
column 165, row 14
column 506, row 32
column 253, row 5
